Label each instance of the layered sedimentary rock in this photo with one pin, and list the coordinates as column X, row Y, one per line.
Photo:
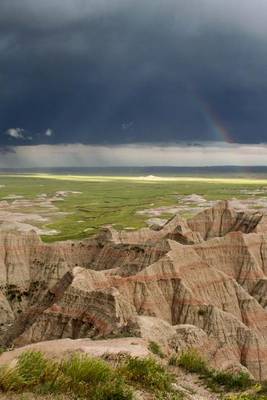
column 222, row 219
column 176, row 228
column 197, row 283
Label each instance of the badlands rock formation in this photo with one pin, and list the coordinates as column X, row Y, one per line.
column 197, row 283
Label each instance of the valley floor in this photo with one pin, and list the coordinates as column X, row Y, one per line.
column 61, row 207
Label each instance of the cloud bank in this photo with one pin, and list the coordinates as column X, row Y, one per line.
column 134, row 155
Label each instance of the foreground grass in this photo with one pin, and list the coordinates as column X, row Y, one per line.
column 83, row 377
column 192, row 361
column 221, row 381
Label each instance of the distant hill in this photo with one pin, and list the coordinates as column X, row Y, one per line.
column 151, row 170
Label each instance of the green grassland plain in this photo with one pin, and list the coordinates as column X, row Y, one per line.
column 116, row 199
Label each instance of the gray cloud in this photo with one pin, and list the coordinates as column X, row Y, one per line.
column 186, row 70
column 49, row 132
column 78, row 155
column 16, row 133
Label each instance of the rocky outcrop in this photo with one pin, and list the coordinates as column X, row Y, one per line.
column 222, row 219
column 197, row 283
column 176, row 228
column 27, row 318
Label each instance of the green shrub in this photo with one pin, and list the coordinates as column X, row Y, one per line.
column 114, row 390
column 59, row 383
column 147, row 373
column 80, row 375
column 191, row 361
column 31, row 367
column 81, row 368
column 155, row 348
column 174, row 361
column 10, row 379
column 231, row 380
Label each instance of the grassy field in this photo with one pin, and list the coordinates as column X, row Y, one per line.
column 115, row 200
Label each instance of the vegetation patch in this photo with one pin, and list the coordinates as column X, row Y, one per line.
column 81, row 368
column 235, row 381
column 258, row 392
column 81, row 375
column 191, row 361
column 147, row 373
column 155, row 348
column 84, row 377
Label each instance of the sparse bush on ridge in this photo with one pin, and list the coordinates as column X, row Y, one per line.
column 32, row 367
column 94, row 378
column 240, row 380
column 81, row 368
column 155, row 348
column 147, row 373
column 10, row 379
column 114, row 390
column 191, row 361
column 87, row 377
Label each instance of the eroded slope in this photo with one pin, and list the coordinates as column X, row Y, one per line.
column 199, row 282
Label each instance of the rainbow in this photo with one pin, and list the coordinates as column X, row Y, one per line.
column 216, row 125
column 213, row 120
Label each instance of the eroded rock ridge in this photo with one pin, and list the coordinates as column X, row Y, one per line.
column 198, row 283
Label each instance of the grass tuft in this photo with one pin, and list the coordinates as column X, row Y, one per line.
column 147, row 373
column 85, row 377
column 81, row 375
column 31, row 367
column 174, row 360
column 81, row 368
column 10, row 379
column 236, row 381
column 155, row 348
column 191, row 361
column 113, row 390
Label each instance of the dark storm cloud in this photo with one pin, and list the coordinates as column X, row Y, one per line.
column 111, row 72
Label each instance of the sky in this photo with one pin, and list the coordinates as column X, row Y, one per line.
column 133, row 82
